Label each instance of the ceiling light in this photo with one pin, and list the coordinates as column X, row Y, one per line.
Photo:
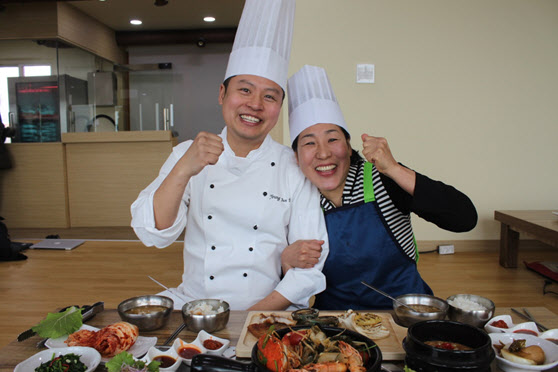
column 209, row 19
column 136, row 22
column 161, row 2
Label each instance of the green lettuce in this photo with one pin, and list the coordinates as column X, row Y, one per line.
column 60, row 324
column 125, row 362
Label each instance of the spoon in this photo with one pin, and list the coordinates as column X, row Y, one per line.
column 171, row 290
column 388, row 296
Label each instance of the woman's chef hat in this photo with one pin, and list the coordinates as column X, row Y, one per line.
column 312, row 101
column 262, row 45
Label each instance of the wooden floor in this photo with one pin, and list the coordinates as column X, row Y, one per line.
column 112, row 271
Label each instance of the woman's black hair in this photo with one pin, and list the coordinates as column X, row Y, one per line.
column 355, row 156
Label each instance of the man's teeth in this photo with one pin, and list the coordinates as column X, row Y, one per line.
column 250, row 118
column 326, row 168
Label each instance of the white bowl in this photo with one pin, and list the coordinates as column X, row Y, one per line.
column 549, row 348
column 204, row 336
column 154, row 352
column 529, row 328
column 88, row 356
column 550, row 335
column 179, row 343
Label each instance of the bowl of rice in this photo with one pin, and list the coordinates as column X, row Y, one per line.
column 470, row 309
column 209, row 315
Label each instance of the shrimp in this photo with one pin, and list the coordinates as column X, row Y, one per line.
column 352, row 357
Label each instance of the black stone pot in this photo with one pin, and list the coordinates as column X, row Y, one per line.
column 425, row 358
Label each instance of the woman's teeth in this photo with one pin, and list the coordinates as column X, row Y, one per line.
column 249, row 118
column 326, row 168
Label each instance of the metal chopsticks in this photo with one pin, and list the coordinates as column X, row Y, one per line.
column 175, row 333
column 529, row 317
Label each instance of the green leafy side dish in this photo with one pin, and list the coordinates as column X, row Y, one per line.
column 62, row 363
column 60, row 324
column 125, row 362
column 407, row 369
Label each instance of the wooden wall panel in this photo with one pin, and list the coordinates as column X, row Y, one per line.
column 33, row 192
column 89, row 34
column 18, row 21
column 105, row 178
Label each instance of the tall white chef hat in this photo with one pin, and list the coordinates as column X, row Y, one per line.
column 312, row 101
column 262, row 45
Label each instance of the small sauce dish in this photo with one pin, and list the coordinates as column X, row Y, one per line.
column 169, row 359
column 187, row 350
column 213, row 344
column 504, row 324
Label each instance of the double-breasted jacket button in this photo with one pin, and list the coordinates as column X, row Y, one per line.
column 265, row 193
column 251, row 249
column 272, row 163
column 211, row 186
column 209, row 217
column 245, row 275
column 212, row 247
column 255, row 227
column 211, row 277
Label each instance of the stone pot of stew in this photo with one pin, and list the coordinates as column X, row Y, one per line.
column 447, row 346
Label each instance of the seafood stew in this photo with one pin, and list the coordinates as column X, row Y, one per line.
column 371, row 362
column 312, row 348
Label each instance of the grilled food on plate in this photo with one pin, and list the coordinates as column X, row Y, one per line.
column 264, row 323
column 367, row 324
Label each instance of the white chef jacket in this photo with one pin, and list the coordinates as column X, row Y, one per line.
column 239, row 215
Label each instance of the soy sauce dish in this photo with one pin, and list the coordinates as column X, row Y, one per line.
column 169, row 359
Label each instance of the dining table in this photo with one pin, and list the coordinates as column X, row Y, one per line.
column 15, row 352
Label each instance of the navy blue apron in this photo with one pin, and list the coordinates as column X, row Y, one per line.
column 361, row 248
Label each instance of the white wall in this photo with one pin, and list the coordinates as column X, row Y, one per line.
column 192, row 86
column 466, row 92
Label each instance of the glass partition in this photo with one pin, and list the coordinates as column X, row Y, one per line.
column 48, row 88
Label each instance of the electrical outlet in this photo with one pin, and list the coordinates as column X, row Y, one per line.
column 446, row 249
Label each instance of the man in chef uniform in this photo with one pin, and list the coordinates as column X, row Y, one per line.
column 240, row 195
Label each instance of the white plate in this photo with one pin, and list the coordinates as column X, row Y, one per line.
column 549, row 348
column 137, row 350
column 88, row 356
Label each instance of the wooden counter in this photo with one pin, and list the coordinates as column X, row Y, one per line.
column 87, row 180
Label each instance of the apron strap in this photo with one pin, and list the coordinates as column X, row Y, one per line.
column 367, row 183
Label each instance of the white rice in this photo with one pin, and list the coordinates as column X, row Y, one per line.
column 204, row 308
column 466, row 304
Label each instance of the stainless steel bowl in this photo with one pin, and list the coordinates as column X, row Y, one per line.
column 209, row 322
column 476, row 318
column 147, row 320
column 407, row 317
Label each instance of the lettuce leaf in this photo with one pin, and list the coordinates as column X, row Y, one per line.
column 60, row 324
column 125, row 361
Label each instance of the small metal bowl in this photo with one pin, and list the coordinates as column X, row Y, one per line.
column 147, row 320
column 207, row 322
column 476, row 318
column 407, row 317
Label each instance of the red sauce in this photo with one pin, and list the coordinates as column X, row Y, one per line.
column 212, row 344
column 499, row 323
column 188, row 352
column 526, row 331
column 553, row 340
column 166, row 361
